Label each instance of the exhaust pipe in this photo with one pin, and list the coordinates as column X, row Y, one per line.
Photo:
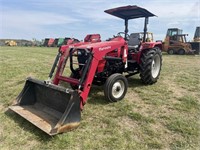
column 49, row 107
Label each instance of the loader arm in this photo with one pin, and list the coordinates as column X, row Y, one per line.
column 64, row 51
column 98, row 53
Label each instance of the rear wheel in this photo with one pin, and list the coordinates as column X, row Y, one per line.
column 115, row 87
column 170, row 51
column 151, row 62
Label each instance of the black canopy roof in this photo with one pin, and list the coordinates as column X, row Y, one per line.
column 129, row 12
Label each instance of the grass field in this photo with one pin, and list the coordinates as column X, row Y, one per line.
column 165, row 115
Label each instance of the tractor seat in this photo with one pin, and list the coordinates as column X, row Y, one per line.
column 133, row 42
column 133, row 49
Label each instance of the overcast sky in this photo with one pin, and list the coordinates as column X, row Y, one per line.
column 27, row 19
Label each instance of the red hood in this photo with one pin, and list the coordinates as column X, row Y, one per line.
column 103, row 45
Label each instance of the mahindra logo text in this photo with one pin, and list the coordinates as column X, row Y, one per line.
column 104, row 48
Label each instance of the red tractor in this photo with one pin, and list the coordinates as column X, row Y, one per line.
column 56, row 109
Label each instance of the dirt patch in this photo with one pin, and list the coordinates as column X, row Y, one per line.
column 140, row 105
column 127, row 123
column 177, row 91
column 133, row 97
column 166, row 135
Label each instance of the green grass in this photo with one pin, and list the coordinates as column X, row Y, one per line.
column 165, row 115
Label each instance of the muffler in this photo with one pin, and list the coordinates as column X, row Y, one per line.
column 49, row 107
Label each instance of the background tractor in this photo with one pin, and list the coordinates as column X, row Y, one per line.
column 196, row 41
column 11, row 43
column 55, row 108
column 175, row 42
column 197, row 35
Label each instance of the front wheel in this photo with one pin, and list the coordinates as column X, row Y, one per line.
column 150, row 67
column 115, row 87
column 181, row 51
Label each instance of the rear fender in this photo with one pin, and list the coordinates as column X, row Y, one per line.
column 149, row 45
column 145, row 46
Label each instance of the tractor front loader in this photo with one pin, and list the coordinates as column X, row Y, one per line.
column 55, row 108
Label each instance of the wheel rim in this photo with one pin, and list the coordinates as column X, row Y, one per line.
column 155, row 66
column 118, row 89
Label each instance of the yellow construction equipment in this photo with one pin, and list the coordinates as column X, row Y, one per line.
column 196, row 41
column 175, row 42
column 11, row 43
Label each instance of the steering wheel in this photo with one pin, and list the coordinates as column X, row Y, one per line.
column 120, row 34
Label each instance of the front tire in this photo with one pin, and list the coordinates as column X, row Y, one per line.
column 115, row 87
column 150, row 67
column 181, row 52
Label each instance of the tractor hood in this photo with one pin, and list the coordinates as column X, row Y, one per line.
column 129, row 12
column 100, row 46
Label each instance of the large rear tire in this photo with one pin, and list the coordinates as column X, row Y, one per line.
column 115, row 87
column 150, row 67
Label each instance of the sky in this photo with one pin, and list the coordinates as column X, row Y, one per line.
column 27, row 19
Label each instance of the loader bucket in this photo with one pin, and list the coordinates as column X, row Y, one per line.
column 49, row 107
